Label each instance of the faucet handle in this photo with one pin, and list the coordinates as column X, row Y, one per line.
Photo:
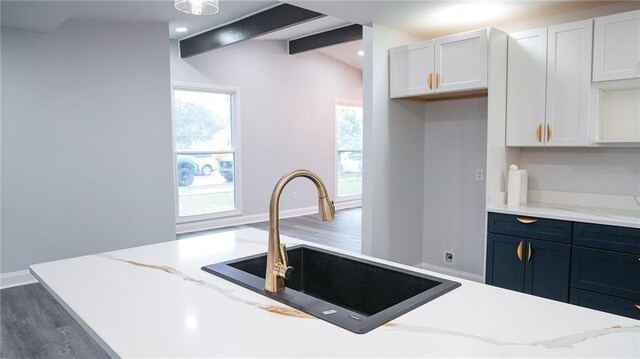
column 284, row 255
column 282, row 269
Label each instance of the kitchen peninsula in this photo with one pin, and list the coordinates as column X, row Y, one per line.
column 155, row 301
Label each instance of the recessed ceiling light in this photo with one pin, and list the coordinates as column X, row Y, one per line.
column 181, row 29
column 361, row 53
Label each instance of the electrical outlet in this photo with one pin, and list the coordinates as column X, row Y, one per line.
column 479, row 175
column 448, row 257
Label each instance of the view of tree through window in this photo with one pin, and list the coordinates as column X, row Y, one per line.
column 205, row 153
column 349, row 150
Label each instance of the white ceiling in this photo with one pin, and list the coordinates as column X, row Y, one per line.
column 426, row 18
column 346, row 52
column 429, row 18
column 45, row 16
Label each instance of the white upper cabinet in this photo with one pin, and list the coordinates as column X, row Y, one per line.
column 568, row 84
column 447, row 64
column 526, row 87
column 411, row 69
column 461, row 61
column 549, row 85
column 616, row 51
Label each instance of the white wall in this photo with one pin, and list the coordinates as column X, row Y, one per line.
column 455, row 146
column 614, row 171
column 86, row 140
column 287, row 117
column 394, row 158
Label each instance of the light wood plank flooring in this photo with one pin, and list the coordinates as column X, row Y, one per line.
column 34, row 325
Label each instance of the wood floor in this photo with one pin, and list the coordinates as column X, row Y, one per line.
column 34, row 325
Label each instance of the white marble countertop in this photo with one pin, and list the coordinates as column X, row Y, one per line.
column 155, row 301
column 607, row 216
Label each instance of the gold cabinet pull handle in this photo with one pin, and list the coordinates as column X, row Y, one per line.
column 437, row 80
column 638, row 306
column 529, row 251
column 548, row 132
column 526, row 220
column 519, row 250
column 539, row 133
column 430, row 81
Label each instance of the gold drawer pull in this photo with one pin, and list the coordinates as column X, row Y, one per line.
column 638, row 306
column 437, row 80
column 548, row 132
column 529, row 253
column 519, row 250
column 539, row 133
column 430, row 81
column 526, row 220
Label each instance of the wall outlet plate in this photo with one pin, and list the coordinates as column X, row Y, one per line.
column 448, row 257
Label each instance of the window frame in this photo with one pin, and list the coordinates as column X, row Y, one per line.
column 235, row 149
column 336, row 173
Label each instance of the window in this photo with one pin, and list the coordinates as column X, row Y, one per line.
column 205, row 151
column 349, row 150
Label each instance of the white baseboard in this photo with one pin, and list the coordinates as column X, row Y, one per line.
column 14, row 279
column 452, row 272
column 254, row 218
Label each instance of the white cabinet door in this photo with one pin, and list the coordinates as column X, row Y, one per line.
column 526, row 86
column 461, row 61
column 616, row 47
column 410, row 70
column 568, row 84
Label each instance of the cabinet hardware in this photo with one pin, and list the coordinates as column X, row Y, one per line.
column 437, row 80
column 539, row 133
column 638, row 306
column 529, row 252
column 526, row 220
column 430, row 81
column 519, row 250
column 548, row 132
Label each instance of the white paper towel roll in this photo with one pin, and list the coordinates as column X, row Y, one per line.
column 514, row 186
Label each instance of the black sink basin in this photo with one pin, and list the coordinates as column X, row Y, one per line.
column 353, row 293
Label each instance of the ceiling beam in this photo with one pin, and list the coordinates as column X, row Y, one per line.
column 327, row 38
column 258, row 24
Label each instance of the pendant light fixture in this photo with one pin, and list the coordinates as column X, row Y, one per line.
column 197, row 7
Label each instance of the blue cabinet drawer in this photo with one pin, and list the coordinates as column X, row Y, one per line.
column 607, row 272
column 530, row 227
column 621, row 239
column 606, row 303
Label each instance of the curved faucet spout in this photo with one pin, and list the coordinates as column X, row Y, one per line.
column 278, row 268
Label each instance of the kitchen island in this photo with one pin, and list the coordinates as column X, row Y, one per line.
column 155, row 301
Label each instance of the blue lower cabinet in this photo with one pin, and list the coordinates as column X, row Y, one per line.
column 607, row 272
column 590, row 265
column 530, row 266
column 606, row 303
column 505, row 268
column 547, row 270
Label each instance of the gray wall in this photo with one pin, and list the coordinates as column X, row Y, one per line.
column 86, row 140
column 392, row 199
column 613, row 171
column 454, row 202
column 287, row 116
